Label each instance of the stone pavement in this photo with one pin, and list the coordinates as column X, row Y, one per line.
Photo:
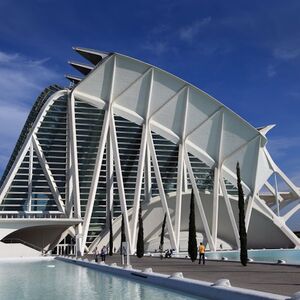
column 278, row 279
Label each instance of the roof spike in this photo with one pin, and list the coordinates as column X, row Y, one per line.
column 82, row 68
column 73, row 79
column 92, row 56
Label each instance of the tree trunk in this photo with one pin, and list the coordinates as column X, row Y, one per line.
column 123, row 237
column 111, row 236
column 192, row 243
column 140, row 240
column 162, row 236
column 242, row 226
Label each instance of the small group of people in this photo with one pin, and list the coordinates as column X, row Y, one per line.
column 169, row 253
column 102, row 254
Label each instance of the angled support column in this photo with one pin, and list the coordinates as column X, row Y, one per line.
column 118, row 169
column 138, row 186
column 70, row 169
column 109, row 181
column 23, row 151
column 179, row 195
column 73, row 150
column 199, row 203
column 215, row 212
column 291, row 212
column 142, row 168
column 276, row 194
column 99, row 159
column 75, row 175
column 44, row 164
column 272, row 190
column 29, row 200
column 147, row 176
column 275, row 168
column 95, row 179
column 216, row 190
column 161, row 190
column 230, row 211
column 180, row 172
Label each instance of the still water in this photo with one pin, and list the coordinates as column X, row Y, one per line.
column 47, row 280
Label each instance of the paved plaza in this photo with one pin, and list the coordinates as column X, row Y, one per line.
column 278, row 279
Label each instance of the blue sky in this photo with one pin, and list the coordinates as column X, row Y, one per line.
column 244, row 53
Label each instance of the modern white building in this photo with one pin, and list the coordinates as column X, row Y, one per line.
column 131, row 134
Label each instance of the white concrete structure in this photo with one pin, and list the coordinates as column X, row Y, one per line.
column 129, row 132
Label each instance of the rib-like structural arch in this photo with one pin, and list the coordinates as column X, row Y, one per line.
column 129, row 132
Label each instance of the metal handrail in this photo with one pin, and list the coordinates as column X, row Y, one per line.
column 31, row 215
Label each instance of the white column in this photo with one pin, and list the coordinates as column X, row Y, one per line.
column 138, row 186
column 179, row 195
column 30, row 177
column 118, row 169
column 69, row 166
column 199, row 202
column 48, row 174
column 230, row 211
column 95, row 179
column 276, row 194
column 216, row 189
column 161, row 191
column 75, row 172
column 180, row 171
column 215, row 212
column 109, row 181
column 147, row 176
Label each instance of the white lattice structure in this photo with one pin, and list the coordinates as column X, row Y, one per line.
column 130, row 131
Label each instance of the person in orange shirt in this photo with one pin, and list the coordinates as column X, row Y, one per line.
column 201, row 253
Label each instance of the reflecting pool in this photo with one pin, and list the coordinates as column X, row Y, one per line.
column 47, row 280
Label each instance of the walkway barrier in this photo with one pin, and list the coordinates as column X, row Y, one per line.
column 31, row 215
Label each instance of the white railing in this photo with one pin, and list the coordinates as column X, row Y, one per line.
column 31, row 215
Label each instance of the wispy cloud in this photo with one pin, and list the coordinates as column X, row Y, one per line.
column 286, row 53
column 21, row 80
column 280, row 147
column 188, row 33
column 156, row 48
column 271, row 71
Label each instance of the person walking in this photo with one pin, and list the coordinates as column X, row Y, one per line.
column 201, row 253
column 96, row 255
column 103, row 253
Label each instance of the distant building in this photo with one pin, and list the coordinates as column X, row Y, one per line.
column 127, row 134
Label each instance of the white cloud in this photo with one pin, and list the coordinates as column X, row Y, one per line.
column 190, row 32
column 157, row 48
column 21, row 81
column 271, row 71
column 287, row 53
column 279, row 146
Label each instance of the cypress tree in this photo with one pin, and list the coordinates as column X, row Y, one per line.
column 140, row 240
column 123, row 237
column 111, row 236
column 242, row 226
column 192, row 244
column 162, row 236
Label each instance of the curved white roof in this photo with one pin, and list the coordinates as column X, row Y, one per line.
column 179, row 112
